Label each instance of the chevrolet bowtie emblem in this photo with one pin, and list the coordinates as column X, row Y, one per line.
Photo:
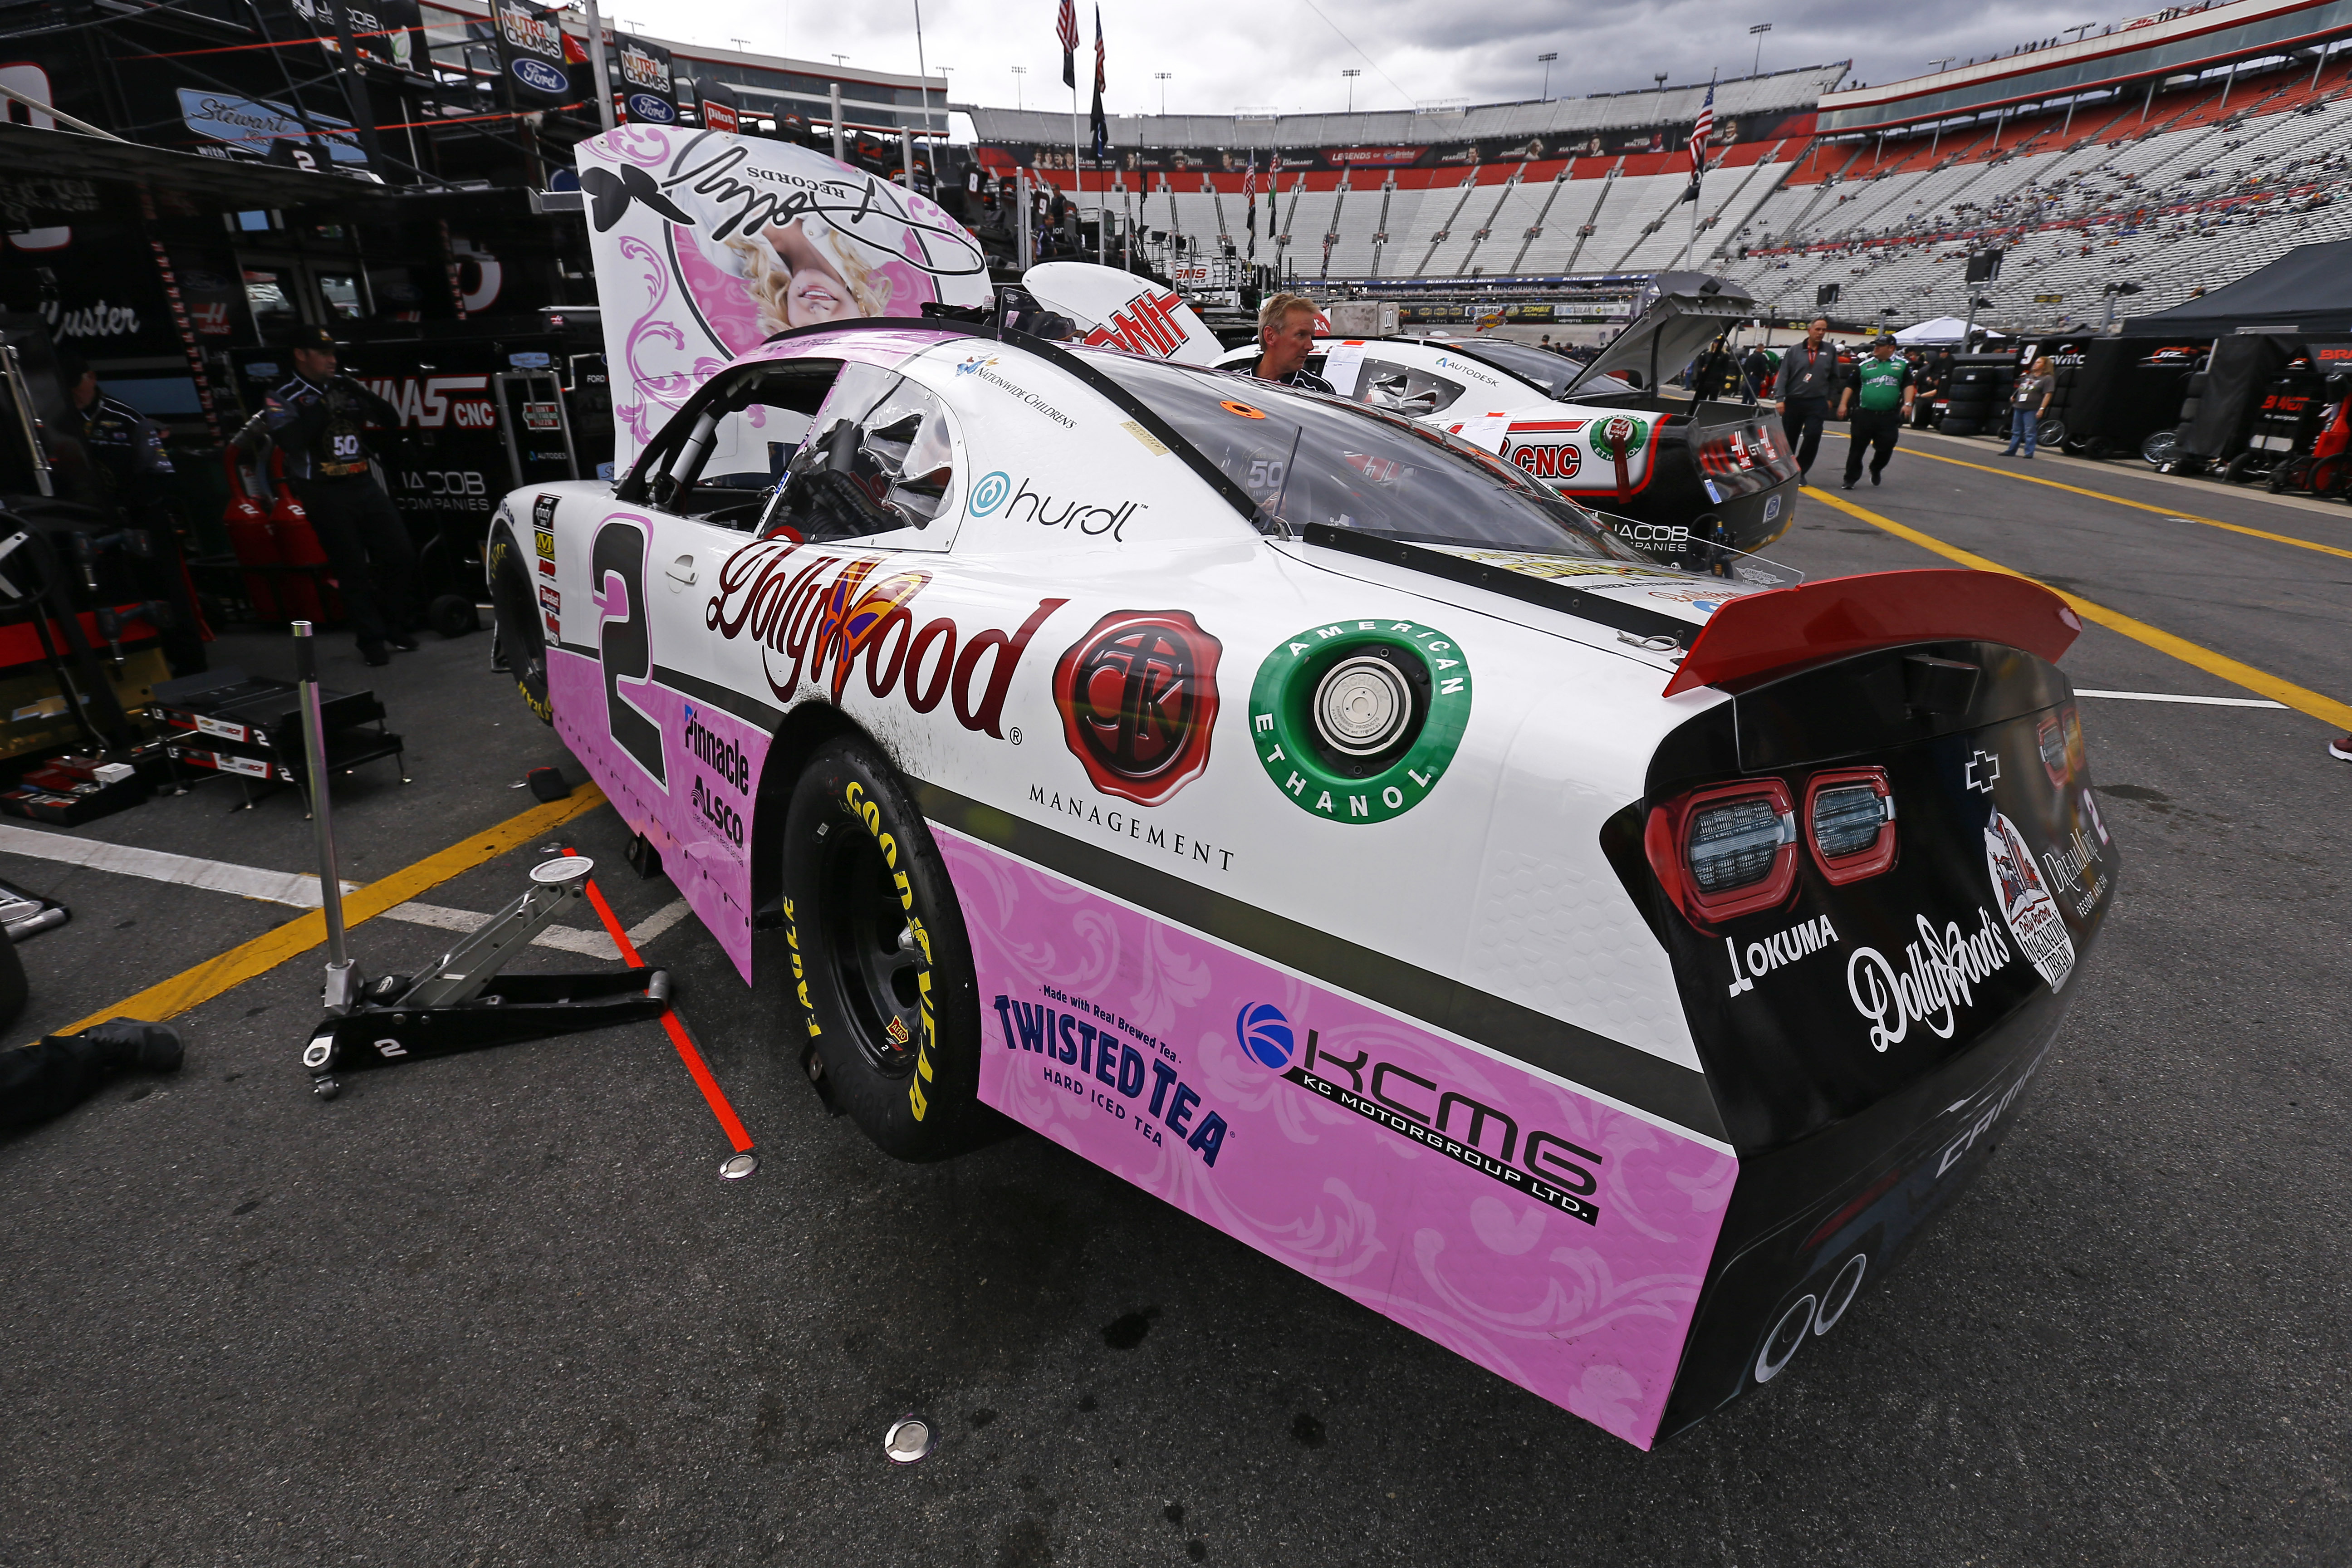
column 1983, row 768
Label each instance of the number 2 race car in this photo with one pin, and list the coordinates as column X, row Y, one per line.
column 1299, row 812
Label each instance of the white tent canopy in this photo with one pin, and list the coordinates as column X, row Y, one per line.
column 1942, row 329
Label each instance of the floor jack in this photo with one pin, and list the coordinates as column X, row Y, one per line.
column 462, row 1002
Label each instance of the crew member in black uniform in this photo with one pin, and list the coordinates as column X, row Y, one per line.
column 126, row 451
column 133, row 475
column 317, row 420
column 1285, row 336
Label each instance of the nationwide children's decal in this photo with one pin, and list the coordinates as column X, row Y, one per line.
column 815, row 615
column 1356, row 722
column 1137, row 696
column 2025, row 903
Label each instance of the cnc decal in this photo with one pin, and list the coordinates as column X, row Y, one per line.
column 625, row 643
column 1137, row 696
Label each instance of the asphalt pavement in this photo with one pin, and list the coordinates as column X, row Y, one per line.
column 501, row 1309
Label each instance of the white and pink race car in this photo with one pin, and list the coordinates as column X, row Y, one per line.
column 1298, row 812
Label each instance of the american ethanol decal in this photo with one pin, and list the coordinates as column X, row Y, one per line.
column 1357, row 720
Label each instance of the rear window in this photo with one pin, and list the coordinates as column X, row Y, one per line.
column 1305, row 458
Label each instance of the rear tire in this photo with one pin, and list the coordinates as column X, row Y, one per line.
column 883, row 975
column 521, row 639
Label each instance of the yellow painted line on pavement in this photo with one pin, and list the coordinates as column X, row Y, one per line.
column 2260, row 681
column 169, row 998
column 2135, row 505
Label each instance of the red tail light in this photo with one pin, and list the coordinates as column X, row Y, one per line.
column 1725, row 851
column 1850, row 823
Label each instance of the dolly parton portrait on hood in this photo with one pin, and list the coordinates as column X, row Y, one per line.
column 707, row 244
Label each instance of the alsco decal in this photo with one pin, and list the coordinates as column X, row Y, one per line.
column 1485, row 1138
column 815, row 615
column 1105, row 1062
column 1145, row 325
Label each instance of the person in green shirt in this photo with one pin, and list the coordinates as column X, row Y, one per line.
column 1878, row 396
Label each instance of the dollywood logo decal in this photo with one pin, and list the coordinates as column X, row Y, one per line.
column 1938, row 978
column 815, row 615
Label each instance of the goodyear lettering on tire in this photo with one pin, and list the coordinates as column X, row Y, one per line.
column 855, row 801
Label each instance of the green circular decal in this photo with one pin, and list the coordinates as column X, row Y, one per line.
column 1357, row 687
column 1606, row 433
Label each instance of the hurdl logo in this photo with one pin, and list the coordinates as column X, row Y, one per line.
column 989, row 493
column 1266, row 1035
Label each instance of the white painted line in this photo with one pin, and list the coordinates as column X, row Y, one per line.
column 157, row 866
column 2177, row 696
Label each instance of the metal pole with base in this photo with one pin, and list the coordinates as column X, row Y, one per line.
column 342, row 979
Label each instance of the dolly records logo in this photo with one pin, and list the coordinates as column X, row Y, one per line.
column 1357, row 720
column 1139, row 700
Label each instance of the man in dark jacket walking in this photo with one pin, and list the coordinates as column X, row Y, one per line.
column 1802, row 393
column 318, row 421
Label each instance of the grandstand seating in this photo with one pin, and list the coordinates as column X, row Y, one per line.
column 2182, row 192
column 2177, row 195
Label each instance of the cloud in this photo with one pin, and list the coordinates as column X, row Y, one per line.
column 1280, row 54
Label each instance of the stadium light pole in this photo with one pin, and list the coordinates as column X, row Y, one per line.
column 1161, row 77
column 1757, row 33
column 1351, row 76
column 1018, row 73
column 1546, row 60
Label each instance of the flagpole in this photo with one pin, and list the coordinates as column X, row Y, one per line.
column 1077, row 171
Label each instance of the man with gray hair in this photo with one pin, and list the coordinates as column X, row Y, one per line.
column 1286, row 332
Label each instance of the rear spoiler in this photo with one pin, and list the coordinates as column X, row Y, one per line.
column 1760, row 637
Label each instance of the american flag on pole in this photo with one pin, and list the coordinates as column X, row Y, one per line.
column 1067, row 30
column 1249, row 194
column 1702, row 132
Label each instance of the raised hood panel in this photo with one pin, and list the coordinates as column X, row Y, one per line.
column 707, row 244
column 1675, row 326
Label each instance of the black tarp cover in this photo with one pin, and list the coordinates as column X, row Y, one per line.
column 2309, row 288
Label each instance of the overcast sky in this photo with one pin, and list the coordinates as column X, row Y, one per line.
column 1281, row 54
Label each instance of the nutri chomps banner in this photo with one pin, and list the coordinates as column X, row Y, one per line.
column 649, row 87
column 707, row 244
column 531, row 52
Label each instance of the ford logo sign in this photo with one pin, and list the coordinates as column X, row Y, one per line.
column 539, row 75
column 655, row 110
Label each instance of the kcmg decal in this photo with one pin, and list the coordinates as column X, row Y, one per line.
column 1542, row 1165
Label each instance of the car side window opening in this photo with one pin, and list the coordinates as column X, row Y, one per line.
column 879, row 457
column 1407, row 389
column 1305, row 458
column 718, row 458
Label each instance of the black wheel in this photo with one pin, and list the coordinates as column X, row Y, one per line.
column 522, row 640
column 883, row 968
column 2330, row 475
column 453, row 616
column 2078, row 446
column 2289, row 475
column 2246, row 467
column 2098, row 448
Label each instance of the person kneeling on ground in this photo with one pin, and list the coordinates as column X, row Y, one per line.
column 1880, row 395
column 1285, row 334
column 39, row 1081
